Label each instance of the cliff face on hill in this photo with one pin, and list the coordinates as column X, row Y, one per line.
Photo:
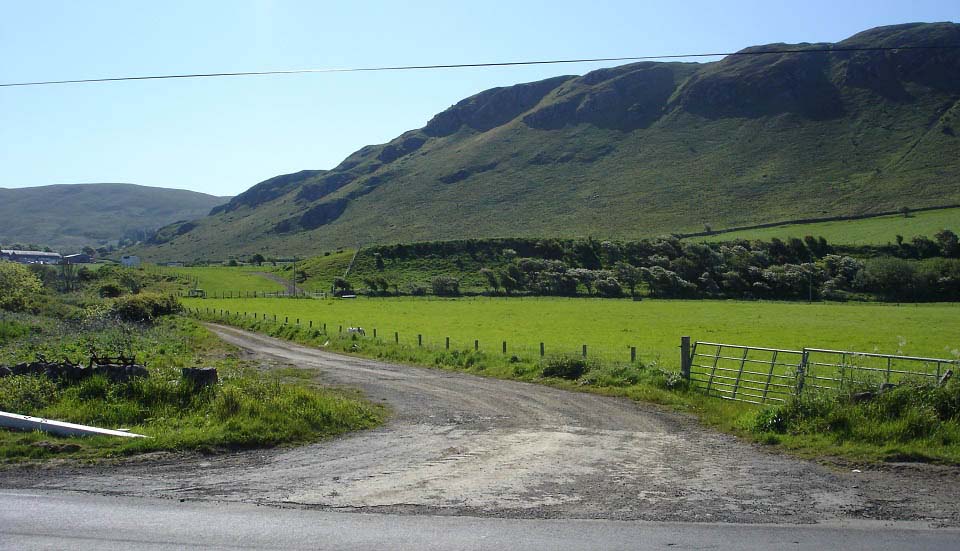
column 633, row 151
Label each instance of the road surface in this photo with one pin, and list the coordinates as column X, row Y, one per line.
column 56, row 520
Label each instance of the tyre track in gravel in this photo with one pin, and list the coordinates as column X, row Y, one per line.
column 459, row 444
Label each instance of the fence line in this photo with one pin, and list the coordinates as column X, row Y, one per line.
column 753, row 374
column 228, row 294
column 627, row 355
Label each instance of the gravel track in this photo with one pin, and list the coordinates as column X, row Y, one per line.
column 458, row 444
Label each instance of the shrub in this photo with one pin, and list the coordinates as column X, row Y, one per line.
column 10, row 330
column 25, row 394
column 445, row 286
column 770, row 420
column 417, row 290
column 110, row 290
column 609, row 288
column 18, row 287
column 565, row 367
column 145, row 307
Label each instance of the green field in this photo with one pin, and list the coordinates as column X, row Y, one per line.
column 220, row 279
column 610, row 327
column 868, row 231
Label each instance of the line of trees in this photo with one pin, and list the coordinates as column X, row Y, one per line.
column 796, row 268
column 921, row 269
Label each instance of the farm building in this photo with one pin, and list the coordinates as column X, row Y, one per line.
column 30, row 257
column 130, row 260
column 77, row 259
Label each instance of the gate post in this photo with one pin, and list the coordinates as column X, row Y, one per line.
column 802, row 371
column 685, row 357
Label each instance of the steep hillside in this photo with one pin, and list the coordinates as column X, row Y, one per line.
column 633, row 151
column 71, row 216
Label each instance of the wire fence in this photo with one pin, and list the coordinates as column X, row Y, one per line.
column 522, row 350
column 753, row 374
column 299, row 293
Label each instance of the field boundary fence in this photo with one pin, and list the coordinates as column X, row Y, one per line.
column 227, row 294
column 754, row 374
column 760, row 375
column 625, row 354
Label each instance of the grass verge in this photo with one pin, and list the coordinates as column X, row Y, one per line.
column 246, row 409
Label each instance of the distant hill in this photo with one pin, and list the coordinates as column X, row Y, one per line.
column 633, row 151
column 70, row 216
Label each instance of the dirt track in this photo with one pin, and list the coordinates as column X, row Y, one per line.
column 464, row 445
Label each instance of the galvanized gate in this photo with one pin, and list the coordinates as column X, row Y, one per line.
column 745, row 373
column 761, row 375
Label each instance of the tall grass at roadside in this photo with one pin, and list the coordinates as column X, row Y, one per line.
column 245, row 409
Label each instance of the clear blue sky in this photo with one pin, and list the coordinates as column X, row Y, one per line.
column 222, row 136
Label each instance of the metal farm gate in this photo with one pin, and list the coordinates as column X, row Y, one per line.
column 772, row 375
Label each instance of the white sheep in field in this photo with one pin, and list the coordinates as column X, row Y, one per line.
column 357, row 330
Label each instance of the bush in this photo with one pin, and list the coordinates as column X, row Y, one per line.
column 25, row 394
column 19, row 287
column 145, row 307
column 10, row 330
column 770, row 420
column 445, row 286
column 417, row 290
column 609, row 288
column 110, row 290
column 565, row 367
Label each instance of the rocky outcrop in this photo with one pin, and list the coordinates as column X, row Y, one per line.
column 492, row 108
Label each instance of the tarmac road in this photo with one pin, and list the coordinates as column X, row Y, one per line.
column 461, row 445
column 54, row 520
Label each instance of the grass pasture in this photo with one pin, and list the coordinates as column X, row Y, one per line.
column 224, row 279
column 868, row 231
column 610, row 327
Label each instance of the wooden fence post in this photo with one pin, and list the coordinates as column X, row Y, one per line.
column 396, row 337
column 685, row 357
column 504, row 347
column 541, row 350
column 374, row 332
column 448, row 343
column 476, row 344
column 633, row 354
column 584, row 351
column 419, row 340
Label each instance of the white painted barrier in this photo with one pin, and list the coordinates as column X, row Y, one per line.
column 28, row 423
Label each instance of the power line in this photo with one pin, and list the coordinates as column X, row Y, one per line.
column 473, row 65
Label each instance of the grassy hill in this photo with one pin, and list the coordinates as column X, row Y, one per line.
column 633, row 151
column 71, row 216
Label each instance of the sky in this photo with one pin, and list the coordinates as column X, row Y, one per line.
column 221, row 136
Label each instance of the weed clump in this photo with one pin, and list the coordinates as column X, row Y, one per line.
column 565, row 367
column 463, row 359
column 913, row 414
